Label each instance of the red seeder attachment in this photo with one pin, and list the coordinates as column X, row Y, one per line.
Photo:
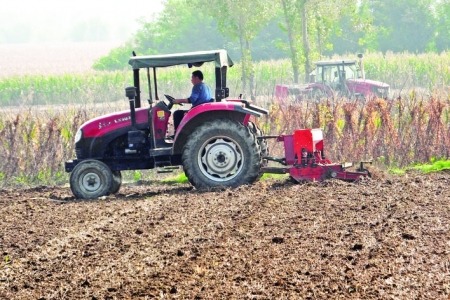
column 305, row 161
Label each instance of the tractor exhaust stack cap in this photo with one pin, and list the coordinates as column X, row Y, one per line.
column 361, row 65
column 130, row 92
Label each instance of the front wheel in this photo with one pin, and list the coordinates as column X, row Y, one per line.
column 221, row 153
column 91, row 179
column 117, row 182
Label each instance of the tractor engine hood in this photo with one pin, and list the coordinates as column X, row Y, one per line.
column 107, row 123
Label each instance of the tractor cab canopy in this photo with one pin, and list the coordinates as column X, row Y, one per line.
column 335, row 71
column 219, row 57
column 347, row 62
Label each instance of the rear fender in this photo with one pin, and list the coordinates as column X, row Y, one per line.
column 210, row 111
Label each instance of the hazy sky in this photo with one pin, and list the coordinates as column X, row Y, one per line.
column 54, row 18
column 126, row 9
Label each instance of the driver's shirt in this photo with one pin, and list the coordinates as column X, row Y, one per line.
column 201, row 93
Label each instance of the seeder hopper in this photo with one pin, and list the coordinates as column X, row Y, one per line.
column 305, row 160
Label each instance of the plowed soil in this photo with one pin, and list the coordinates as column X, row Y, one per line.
column 380, row 238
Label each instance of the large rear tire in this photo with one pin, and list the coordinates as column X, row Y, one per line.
column 221, row 153
column 317, row 95
column 91, row 179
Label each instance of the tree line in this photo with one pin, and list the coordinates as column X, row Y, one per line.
column 302, row 30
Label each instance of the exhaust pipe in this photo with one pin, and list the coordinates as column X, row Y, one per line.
column 361, row 65
column 130, row 93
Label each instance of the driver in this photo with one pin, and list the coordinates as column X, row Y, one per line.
column 201, row 93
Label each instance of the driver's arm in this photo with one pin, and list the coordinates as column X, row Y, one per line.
column 179, row 101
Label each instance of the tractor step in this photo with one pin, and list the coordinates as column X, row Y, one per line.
column 167, row 169
column 161, row 151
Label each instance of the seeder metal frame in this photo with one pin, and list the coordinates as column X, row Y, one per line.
column 305, row 160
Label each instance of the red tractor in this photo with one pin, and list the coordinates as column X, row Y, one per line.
column 216, row 143
column 344, row 78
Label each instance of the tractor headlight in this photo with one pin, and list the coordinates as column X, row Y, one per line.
column 78, row 135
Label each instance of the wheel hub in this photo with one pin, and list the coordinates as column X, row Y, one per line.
column 91, row 182
column 221, row 158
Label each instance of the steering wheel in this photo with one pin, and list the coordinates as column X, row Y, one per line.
column 170, row 99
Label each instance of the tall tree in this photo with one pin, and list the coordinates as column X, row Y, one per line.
column 404, row 25
column 356, row 32
column 443, row 25
column 242, row 21
column 179, row 28
column 316, row 18
column 291, row 28
column 268, row 43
